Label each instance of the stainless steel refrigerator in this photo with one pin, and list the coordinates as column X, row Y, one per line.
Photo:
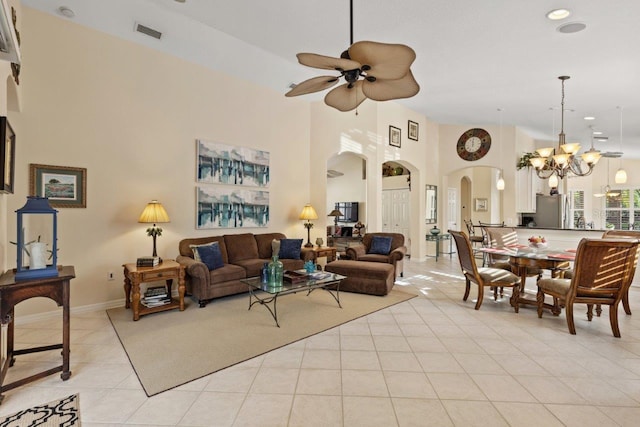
column 551, row 211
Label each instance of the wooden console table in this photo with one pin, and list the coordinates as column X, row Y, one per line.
column 13, row 292
column 134, row 276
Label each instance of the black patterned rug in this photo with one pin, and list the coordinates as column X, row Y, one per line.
column 59, row 413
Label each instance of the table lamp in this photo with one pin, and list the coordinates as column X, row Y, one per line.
column 308, row 213
column 154, row 213
column 335, row 214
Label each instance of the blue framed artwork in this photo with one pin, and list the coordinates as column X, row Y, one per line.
column 228, row 207
column 219, row 163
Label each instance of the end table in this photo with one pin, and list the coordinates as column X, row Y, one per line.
column 14, row 291
column 167, row 270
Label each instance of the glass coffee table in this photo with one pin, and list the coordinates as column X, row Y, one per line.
column 262, row 293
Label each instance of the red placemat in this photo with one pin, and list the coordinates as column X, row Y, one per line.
column 562, row 256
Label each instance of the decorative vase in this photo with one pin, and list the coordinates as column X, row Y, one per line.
column 309, row 267
column 264, row 273
column 276, row 270
column 435, row 230
column 319, row 241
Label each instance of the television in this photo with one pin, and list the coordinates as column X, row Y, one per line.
column 349, row 211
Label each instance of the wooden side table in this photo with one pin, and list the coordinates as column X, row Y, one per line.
column 134, row 276
column 13, row 292
column 320, row 251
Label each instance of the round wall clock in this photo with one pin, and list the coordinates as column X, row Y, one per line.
column 474, row 144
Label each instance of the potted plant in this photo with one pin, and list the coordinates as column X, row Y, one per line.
column 523, row 161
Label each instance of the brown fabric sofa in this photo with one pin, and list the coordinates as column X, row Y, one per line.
column 243, row 256
column 395, row 256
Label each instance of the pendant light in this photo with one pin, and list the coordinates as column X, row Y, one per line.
column 621, row 174
column 500, row 182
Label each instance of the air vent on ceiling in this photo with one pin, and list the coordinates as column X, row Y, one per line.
column 148, row 31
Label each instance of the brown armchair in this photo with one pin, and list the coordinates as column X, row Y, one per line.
column 602, row 274
column 395, row 257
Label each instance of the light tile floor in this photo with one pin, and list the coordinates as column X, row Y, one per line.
column 433, row 360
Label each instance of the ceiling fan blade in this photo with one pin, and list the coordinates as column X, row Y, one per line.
column 387, row 61
column 384, row 90
column 326, row 62
column 314, row 84
column 344, row 98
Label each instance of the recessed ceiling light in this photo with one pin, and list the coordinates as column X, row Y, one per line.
column 572, row 27
column 558, row 14
column 589, row 118
column 597, row 132
column 66, row 11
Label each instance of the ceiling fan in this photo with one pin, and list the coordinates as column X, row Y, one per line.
column 379, row 71
column 608, row 192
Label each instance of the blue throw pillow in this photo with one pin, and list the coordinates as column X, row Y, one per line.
column 380, row 245
column 290, row 248
column 211, row 256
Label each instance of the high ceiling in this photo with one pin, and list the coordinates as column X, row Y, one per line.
column 473, row 57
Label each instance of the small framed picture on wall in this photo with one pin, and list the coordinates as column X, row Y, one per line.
column 482, row 205
column 413, row 131
column 394, row 136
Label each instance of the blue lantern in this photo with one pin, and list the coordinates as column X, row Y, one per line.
column 37, row 237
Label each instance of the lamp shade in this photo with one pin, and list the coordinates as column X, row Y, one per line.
column 335, row 212
column 621, row 176
column 154, row 213
column 308, row 212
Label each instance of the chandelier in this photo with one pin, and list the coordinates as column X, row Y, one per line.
column 555, row 164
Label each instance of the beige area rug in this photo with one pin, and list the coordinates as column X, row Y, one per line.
column 59, row 413
column 171, row 348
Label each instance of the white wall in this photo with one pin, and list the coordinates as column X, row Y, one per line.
column 131, row 115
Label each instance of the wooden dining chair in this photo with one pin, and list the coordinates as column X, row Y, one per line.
column 624, row 234
column 602, row 273
column 484, row 276
column 500, row 237
column 617, row 234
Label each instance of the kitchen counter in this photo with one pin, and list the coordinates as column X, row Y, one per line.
column 520, row 227
column 561, row 238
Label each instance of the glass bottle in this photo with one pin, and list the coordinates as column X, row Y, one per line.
column 264, row 273
column 276, row 270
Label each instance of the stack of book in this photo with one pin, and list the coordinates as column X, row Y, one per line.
column 148, row 261
column 155, row 296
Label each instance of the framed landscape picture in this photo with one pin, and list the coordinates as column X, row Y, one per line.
column 394, row 136
column 66, row 187
column 7, row 156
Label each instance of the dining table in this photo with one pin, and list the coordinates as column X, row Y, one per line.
column 524, row 258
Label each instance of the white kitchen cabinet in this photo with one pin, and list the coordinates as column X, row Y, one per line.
column 526, row 188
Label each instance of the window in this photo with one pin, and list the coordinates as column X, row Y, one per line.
column 577, row 208
column 623, row 211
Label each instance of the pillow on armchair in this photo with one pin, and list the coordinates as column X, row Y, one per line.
column 380, row 245
column 290, row 248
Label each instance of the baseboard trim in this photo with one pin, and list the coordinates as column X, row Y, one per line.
column 39, row 317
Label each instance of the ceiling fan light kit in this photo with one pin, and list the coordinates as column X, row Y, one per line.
column 378, row 71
